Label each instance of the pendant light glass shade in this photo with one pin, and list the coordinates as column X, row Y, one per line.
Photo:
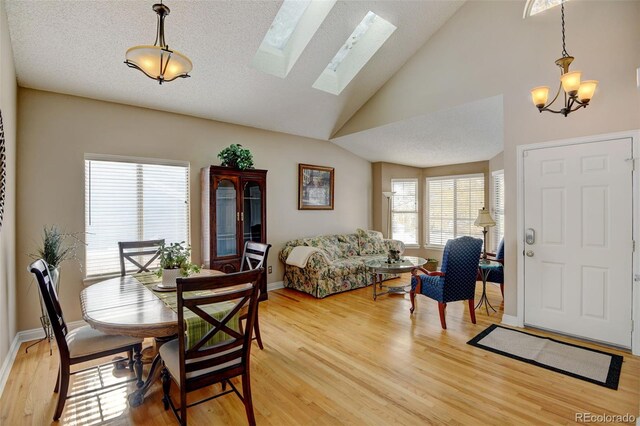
column 587, row 89
column 571, row 82
column 539, row 95
column 158, row 61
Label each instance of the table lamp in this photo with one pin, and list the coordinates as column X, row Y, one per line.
column 484, row 220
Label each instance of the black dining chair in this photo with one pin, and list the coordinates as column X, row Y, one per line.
column 81, row 344
column 197, row 364
column 134, row 251
column 254, row 256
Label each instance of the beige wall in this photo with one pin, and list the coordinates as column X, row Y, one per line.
column 8, row 90
column 55, row 132
column 487, row 49
column 383, row 173
column 497, row 163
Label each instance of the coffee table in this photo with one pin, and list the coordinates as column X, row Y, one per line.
column 380, row 267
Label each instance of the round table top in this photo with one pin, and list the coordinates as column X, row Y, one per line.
column 124, row 306
column 406, row 264
column 489, row 264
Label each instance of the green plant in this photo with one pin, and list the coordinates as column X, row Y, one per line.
column 57, row 247
column 177, row 256
column 237, row 157
column 431, row 260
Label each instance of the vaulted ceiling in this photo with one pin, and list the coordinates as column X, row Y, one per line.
column 78, row 48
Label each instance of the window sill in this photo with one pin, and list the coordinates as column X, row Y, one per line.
column 411, row 246
column 439, row 248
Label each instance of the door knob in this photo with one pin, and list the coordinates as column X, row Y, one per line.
column 529, row 253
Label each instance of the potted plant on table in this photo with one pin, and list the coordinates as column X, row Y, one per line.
column 431, row 265
column 175, row 261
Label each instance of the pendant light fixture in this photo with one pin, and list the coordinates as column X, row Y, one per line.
column 576, row 93
column 158, row 61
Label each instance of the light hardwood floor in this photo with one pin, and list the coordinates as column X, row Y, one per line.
column 349, row 360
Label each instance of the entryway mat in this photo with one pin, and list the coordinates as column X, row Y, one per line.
column 587, row 364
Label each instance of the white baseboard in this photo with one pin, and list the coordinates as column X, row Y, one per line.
column 19, row 339
column 510, row 320
column 275, row 285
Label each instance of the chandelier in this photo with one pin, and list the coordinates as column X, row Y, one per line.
column 158, row 62
column 576, row 93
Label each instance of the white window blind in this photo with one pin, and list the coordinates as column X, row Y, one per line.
column 452, row 206
column 497, row 208
column 404, row 210
column 132, row 201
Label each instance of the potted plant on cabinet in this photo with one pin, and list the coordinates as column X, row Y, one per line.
column 175, row 261
column 236, row 157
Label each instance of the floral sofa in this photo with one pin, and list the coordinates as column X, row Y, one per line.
column 339, row 265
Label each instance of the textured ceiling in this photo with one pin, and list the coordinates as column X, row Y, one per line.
column 470, row 132
column 78, row 47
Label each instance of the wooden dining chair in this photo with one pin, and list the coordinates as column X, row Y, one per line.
column 195, row 364
column 254, row 256
column 133, row 251
column 82, row 344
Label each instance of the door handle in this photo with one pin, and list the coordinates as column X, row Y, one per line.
column 529, row 253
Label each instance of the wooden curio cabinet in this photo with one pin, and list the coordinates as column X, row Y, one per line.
column 234, row 211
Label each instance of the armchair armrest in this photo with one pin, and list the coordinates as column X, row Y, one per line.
column 431, row 274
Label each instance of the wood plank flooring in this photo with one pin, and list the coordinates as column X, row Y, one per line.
column 348, row 360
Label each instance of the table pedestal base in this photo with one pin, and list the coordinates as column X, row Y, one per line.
column 483, row 299
column 137, row 398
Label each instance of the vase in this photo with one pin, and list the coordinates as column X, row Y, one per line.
column 169, row 277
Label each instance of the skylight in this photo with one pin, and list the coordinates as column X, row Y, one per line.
column 285, row 22
column 533, row 7
column 365, row 40
column 291, row 30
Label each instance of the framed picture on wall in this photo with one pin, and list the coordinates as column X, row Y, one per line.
column 315, row 187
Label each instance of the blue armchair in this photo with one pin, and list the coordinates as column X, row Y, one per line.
column 497, row 275
column 455, row 281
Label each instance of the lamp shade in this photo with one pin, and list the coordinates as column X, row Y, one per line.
column 484, row 219
column 586, row 90
column 571, row 81
column 539, row 96
column 388, row 194
column 159, row 63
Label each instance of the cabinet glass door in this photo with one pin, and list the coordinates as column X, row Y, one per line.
column 226, row 217
column 252, row 225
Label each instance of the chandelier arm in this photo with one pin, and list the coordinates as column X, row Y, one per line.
column 554, row 99
column 551, row 110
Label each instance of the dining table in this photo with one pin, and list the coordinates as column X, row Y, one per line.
column 129, row 306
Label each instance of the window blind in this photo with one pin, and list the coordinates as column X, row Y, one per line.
column 132, row 201
column 452, row 206
column 404, row 210
column 497, row 208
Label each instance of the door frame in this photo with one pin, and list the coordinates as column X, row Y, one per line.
column 635, row 289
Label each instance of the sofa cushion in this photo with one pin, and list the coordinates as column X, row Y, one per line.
column 349, row 245
column 348, row 266
column 371, row 243
column 328, row 243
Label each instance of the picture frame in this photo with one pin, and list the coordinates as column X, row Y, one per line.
column 315, row 187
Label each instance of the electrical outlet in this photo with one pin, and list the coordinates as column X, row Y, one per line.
column 270, row 269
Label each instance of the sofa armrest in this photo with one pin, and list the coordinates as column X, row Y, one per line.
column 395, row 245
column 317, row 260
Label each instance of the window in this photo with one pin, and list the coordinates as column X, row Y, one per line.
column 130, row 200
column 452, row 206
column 497, row 208
column 404, row 211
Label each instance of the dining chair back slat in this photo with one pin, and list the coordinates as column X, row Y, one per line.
column 134, row 252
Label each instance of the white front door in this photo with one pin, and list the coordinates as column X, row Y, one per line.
column 579, row 254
